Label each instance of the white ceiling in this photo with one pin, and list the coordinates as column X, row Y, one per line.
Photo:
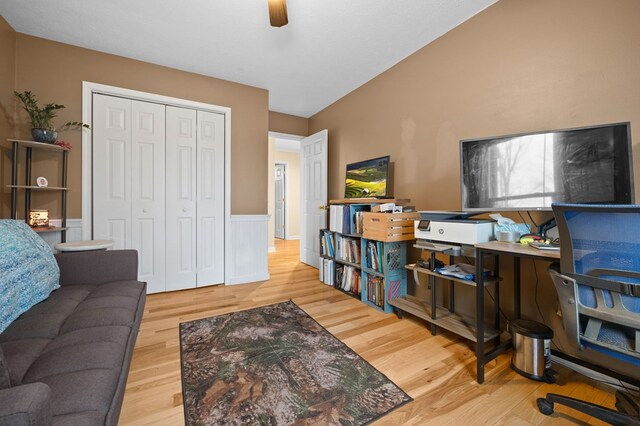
column 329, row 48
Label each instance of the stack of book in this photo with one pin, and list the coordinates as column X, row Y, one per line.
column 326, row 271
column 347, row 219
column 375, row 290
column 373, row 257
column 348, row 278
column 347, row 249
column 327, row 247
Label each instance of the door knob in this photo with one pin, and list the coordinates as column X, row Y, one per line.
column 145, row 211
column 184, row 209
column 324, row 207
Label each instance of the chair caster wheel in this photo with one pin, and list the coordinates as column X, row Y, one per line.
column 545, row 406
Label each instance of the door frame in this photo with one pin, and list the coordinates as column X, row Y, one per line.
column 286, row 197
column 88, row 89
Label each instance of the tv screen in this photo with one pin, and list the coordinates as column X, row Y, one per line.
column 367, row 178
column 591, row 165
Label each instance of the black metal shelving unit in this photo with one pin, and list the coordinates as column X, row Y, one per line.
column 28, row 186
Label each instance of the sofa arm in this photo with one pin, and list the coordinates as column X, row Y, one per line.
column 25, row 405
column 97, row 267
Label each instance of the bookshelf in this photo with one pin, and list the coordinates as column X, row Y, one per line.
column 370, row 270
column 28, row 186
column 445, row 316
column 384, row 276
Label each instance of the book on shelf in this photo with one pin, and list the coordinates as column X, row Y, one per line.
column 347, row 219
column 328, row 244
column 327, row 271
column 373, row 256
column 347, row 249
column 339, row 220
column 348, row 278
column 375, row 290
column 356, row 218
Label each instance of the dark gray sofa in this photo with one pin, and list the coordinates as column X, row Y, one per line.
column 67, row 358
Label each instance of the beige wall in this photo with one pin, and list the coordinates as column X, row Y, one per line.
column 293, row 194
column 55, row 72
column 290, row 124
column 7, row 108
column 518, row 66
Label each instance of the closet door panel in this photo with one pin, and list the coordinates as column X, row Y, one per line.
column 112, row 170
column 210, row 188
column 148, row 192
column 181, row 198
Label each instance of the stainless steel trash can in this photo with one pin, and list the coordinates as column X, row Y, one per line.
column 532, row 350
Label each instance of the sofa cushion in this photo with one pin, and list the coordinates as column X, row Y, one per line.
column 26, row 405
column 112, row 304
column 85, row 390
column 73, row 358
column 114, row 334
column 43, row 326
column 5, row 382
column 28, row 270
column 20, row 355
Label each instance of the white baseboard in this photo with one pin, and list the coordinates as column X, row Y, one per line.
column 293, row 237
column 272, row 249
column 246, row 279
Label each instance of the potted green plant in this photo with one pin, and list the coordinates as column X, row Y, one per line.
column 42, row 128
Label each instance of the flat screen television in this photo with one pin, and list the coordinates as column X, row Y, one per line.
column 368, row 179
column 591, row 165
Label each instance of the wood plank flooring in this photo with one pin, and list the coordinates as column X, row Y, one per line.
column 437, row 371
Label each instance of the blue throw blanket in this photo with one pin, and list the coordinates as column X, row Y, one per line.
column 28, row 270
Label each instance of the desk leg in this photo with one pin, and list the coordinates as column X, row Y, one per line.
column 452, row 306
column 432, row 279
column 496, row 322
column 516, row 286
column 479, row 316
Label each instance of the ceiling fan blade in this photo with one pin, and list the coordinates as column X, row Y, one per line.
column 278, row 13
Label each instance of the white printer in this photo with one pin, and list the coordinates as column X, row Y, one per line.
column 453, row 227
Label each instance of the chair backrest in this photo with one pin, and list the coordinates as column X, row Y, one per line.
column 600, row 250
column 593, row 237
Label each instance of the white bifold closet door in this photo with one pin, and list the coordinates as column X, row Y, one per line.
column 181, row 198
column 210, row 188
column 158, row 187
column 195, row 198
column 129, row 182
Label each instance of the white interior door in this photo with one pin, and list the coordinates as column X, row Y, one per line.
column 279, row 219
column 210, row 198
column 147, row 192
column 112, row 170
column 181, row 212
column 313, row 161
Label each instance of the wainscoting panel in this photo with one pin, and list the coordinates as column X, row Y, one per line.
column 248, row 249
column 74, row 232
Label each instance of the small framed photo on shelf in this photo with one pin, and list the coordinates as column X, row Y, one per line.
column 42, row 181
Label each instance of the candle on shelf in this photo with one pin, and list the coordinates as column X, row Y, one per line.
column 38, row 218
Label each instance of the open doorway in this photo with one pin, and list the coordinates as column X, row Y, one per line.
column 284, row 188
column 280, row 207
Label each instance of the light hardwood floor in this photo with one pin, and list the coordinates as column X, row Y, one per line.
column 437, row 371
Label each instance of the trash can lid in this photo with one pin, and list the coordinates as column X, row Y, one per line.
column 530, row 329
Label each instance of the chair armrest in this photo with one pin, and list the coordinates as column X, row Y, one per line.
column 97, row 267
column 28, row 404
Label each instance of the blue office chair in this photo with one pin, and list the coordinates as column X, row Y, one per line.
column 598, row 285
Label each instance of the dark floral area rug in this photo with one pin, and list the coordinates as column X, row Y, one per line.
column 275, row 365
